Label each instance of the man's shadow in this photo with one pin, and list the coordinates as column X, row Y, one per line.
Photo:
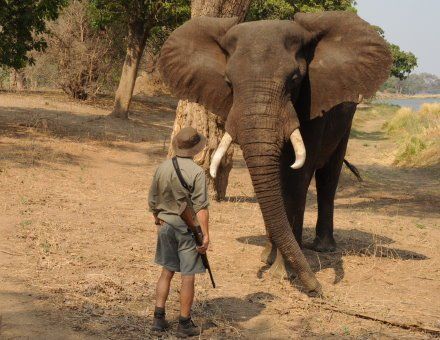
column 349, row 242
column 232, row 309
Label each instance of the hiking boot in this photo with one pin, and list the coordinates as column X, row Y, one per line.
column 160, row 324
column 187, row 328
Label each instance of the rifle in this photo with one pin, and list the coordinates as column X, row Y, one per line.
column 186, row 213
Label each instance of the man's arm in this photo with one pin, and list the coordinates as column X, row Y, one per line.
column 203, row 218
column 152, row 199
column 200, row 204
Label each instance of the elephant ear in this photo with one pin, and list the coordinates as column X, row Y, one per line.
column 192, row 63
column 348, row 61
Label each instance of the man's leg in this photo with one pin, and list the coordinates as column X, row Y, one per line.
column 186, row 326
column 163, row 287
column 190, row 263
column 162, row 291
column 186, row 295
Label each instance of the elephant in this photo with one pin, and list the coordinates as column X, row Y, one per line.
column 287, row 90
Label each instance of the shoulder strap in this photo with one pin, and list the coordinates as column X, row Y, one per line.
column 179, row 174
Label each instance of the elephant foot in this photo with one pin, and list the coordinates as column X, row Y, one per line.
column 324, row 245
column 269, row 253
column 279, row 270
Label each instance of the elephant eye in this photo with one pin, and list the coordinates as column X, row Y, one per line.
column 295, row 76
column 292, row 43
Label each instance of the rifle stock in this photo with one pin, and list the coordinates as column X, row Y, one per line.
column 186, row 213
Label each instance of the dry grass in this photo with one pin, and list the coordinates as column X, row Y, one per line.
column 418, row 135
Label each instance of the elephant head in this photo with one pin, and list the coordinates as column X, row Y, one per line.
column 265, row 77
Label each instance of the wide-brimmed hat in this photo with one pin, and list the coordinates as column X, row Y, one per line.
column 188, row 142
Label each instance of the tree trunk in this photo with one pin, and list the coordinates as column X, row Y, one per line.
column 195, row 115
column 137, row 36
column 213, row 127
column 17, row 80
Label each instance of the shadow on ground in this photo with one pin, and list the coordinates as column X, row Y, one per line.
column 232, row 309
column 32, row 154
column 392, row 191
column 350, row 242
column 149, row 121
column 90, row 320
column 368, row 136
column 40, row 317
column 389, row 191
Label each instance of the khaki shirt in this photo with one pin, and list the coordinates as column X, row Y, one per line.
column 167, row 194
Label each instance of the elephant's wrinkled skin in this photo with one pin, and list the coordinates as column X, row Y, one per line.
column 269, row 78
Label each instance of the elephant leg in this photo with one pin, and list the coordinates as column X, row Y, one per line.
column 327, row 179
column 296, row 185
column 295, row 200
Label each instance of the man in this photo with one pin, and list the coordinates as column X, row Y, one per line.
column 176, row 249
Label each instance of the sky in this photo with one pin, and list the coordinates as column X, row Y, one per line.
column 414, row 25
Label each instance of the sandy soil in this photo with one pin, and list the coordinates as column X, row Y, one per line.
column 77, row 243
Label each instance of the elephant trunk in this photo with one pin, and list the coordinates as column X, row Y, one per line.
column 263, row 161
column 266, row 121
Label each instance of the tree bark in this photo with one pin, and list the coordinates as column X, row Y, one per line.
column 137, row 37
column 195, row 115
column 17, row 80
column 220, row 8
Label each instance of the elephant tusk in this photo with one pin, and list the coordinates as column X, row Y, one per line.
column 299, row 148
column 219, row 153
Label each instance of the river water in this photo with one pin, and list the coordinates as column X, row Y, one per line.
column 413, row 103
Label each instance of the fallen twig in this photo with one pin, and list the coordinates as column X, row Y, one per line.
column 327, row 306
column 13, row 254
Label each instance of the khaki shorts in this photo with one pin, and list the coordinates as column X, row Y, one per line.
column 176, row 251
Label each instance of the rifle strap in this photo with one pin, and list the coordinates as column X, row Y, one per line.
column 182, row 181
column 179, row 174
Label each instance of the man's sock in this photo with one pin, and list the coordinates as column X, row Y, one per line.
column 184, row 320
column 159, row 312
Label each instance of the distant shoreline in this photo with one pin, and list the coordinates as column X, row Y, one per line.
column 383, row 95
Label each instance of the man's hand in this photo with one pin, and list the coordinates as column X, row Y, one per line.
column 203, row 218
column 157, row 221
column 203, row 248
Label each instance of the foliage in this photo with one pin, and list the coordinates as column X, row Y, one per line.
column 79, row 58
column 404, row 62
column 270, row 9
column 418, row 135
column 87, row 44
column 415, row 83
column 22, row 23
column 285, row 9
column 323, row 5
column 4, row 77
column 146, row 23
column 159, row 17
column 154, row 12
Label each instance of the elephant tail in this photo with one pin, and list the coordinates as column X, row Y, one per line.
column 354, row 170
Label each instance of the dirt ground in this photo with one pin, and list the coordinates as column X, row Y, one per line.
column 76, row 241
